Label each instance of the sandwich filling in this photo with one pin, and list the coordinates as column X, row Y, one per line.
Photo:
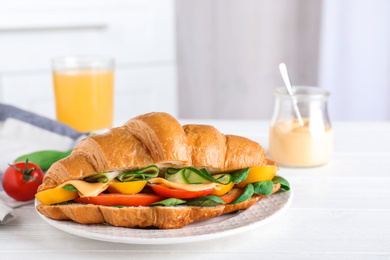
column 185, row 186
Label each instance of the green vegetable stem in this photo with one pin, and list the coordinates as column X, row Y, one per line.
column 44, row 159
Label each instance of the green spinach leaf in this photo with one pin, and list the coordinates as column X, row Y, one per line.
column 245, row 195
column 283, row 182
column 205, row 201
column 70, row 187
column 263, row 187
column 168, row 202
column 240, row 175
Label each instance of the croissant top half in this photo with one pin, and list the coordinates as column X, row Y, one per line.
column 159, row 139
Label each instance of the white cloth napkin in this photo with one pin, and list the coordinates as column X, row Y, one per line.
column 6, row 213
column 10, row 202
column 18, row 138
column 22, row 132
column 7, row 204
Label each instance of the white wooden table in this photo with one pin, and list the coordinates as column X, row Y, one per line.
column 339, row 211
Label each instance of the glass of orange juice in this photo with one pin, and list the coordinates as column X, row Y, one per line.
column 84, row 91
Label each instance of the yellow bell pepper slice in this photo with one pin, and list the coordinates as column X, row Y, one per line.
column 261, row 173
column 222, row 189
column 130, row 187
column 56, row 195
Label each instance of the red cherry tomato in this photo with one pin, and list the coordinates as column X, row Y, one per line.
column 177, row 193
column 21, row 180
column 119, row 199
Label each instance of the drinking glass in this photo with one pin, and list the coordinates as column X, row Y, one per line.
column 84, row 91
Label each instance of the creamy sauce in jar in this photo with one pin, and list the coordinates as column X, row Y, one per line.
column 302, row 146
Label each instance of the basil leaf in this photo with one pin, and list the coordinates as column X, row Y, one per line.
column 263, row 187
column 70, row 187
column 168, row 202
column 205, row 201
column 118, row 206
column 245, row 195
column 283, row 182
column 240, row 175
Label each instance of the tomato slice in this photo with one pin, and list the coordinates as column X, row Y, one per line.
column 179, row 194
column 231, row 195
column 118, row 199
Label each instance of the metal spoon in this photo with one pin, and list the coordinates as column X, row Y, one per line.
column 290, row 90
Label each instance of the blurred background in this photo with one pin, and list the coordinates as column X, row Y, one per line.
column 203, row 58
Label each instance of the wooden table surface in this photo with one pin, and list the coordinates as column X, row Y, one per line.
column 340, row 211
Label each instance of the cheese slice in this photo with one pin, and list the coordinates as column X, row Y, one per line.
column 182, row 186
column 87, row 189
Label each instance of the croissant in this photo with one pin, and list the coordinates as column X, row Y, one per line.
column 152, row 139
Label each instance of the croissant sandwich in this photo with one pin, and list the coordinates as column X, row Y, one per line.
column 154, row 172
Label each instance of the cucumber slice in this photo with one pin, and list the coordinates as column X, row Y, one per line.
column 170, row 171
column 176, row 175
column 190, row 175
column 102, row 177
column 140, row 175
column 195, row 176
column 224, row 178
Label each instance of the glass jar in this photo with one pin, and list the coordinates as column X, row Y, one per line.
column 301, row 143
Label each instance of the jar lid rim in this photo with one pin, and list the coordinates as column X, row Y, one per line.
column 316, row 92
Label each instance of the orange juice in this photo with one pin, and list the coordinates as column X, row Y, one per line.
column 84, row 98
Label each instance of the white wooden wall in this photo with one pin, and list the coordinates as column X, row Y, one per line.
column 355, row 58
column 139, row 34
column 229, row 51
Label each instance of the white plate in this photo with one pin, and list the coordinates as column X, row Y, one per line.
column 261, row 213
